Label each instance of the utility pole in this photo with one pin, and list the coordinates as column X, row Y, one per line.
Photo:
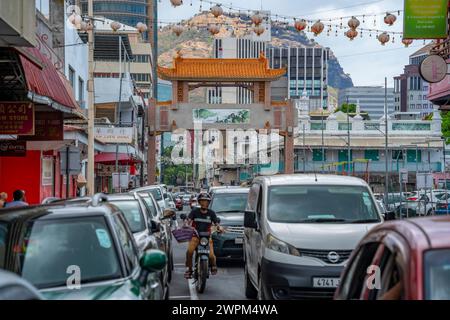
column 323, row 144
column 348, row 138
column 304, row 150
column 386, row 177
column 91, row 109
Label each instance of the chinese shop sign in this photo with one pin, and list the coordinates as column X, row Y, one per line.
column 16, row 118
column 49, row 126
column 425, row 19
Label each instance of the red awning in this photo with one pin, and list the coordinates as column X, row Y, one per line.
column 110, row 158
column 45, row 80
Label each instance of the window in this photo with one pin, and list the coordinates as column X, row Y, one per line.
column 411, row 156
column 44, row 7
column 321, row 204
column 373, row 155
column 253, row 197
column 133, row 214
column 437, row 274
column 150, row 206
column 317, row 155
column 126, row 243
column 80, row 90
column 50, row 246
column 72, row 77
column 397, row 155
column 228, row 202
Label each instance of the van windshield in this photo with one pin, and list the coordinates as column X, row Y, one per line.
column 321, row 204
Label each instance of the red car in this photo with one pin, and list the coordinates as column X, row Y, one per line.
column 400, row 260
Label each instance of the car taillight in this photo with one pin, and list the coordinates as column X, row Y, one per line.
column 412, row 199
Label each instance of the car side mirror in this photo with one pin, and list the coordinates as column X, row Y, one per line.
column 169, row 214
column 155, row 226
column 153, row 260
column 250, row 220
column 390, row 215
column 166, row 196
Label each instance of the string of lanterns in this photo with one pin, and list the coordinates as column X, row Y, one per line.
column 317, row 27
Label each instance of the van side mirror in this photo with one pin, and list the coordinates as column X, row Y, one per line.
column 250, row 220
column 155, row 226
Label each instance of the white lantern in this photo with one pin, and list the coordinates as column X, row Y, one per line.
column 72, row 18
column 141, row 27
column 115, row 26
column 214, row 29
column 178, row 30
column 176, row 3
column 217, row 11
column 353, row 23
column 77, row 21
column 83, row 26
column 259, row 30
column 257, row 19
column 384, row 38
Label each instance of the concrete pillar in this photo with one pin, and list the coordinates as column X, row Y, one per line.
column 151, row 151
column 289, row 138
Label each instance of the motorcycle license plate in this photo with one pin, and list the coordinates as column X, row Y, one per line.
column 203, row 251
column 239, row 240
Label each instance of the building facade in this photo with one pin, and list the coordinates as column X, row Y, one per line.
column 126, row 12
column 307, row 70
column 370, row 99
column 410, row 90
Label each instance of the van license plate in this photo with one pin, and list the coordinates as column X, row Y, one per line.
column 326, row 282
column 239, row 240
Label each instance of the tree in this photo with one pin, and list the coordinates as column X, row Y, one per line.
column 445, row 124
column 173, row 172
column 351, row 107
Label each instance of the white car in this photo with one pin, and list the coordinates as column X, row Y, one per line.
column 158, row 193
column 300, row 231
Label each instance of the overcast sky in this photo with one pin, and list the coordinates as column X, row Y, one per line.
column 365, row 59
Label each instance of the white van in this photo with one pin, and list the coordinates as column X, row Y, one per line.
column 300, row 231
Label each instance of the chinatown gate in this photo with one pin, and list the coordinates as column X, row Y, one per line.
column 262, row 115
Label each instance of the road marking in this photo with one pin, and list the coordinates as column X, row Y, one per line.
column 192, row 290
column 180, row 297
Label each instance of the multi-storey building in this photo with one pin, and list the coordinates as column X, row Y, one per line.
column 370, row 99
column 410, row 90
column 307, row 70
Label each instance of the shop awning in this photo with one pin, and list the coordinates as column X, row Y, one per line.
column 45, row 84
column 110, row 158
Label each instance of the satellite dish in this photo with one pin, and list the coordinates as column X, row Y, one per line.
column 433, row 69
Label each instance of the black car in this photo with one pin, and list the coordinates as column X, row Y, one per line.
column 84, row 246
column 229, row 205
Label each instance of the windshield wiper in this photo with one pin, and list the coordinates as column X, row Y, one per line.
column 364, row 221
column 324, row 220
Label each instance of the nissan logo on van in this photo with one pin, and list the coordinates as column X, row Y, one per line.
column 333, row 257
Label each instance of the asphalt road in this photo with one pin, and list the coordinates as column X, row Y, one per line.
column 228, row 284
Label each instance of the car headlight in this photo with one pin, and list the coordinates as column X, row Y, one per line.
column 280, row 246
column 204, row 241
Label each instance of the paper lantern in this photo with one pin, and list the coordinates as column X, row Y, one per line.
column 351, row 34
column 217, row 11
column 141, row 27
column 176, row 3
column 178, row 30
column 257, row 19
column 353, row 23
column 383, row 38
column 300, row 25
column 317, row 28
column 214, row 29
column 115, row 26
column 259, row 30
column 390, row 19
column 407, row 42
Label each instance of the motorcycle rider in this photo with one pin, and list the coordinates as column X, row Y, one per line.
column 201, row 219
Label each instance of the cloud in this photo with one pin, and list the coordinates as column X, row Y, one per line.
column 365, row 69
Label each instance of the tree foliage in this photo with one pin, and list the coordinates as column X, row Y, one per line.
column 174, row 174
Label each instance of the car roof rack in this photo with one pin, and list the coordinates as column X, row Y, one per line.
column 97, row 198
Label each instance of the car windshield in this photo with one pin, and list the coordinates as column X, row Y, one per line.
column 311, row 204
column 133, row 214
column 437, row 274
column 55, row 249
column 229, row 202
column 156, row 193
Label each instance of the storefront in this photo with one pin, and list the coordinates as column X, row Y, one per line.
column 33, row 106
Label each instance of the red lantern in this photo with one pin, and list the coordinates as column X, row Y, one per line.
column 407, row 42
column 300, row 25
column 317, row 28
column 384, row 38
column 353, row 23
column 390, row 19
column 351, row 34
column 176, row 3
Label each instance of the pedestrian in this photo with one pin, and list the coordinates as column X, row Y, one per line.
column 3, row 199
column 19, row 200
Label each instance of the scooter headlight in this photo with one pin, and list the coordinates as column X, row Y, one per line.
column 204, row 241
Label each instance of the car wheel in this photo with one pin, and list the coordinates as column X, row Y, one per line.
column 250, row 291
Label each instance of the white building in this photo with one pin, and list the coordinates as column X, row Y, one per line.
column 371, row 99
